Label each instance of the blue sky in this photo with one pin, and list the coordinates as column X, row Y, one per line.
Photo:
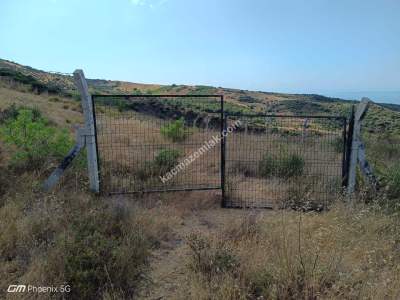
column 308, row 46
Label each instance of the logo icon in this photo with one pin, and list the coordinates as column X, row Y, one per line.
column 14, row 288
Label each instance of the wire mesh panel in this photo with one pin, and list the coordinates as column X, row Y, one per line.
column 158, row 143
column 284, row 161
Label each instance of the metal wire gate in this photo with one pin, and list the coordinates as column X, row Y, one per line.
column 157, row 143
column 148, row 143
column 285, row 161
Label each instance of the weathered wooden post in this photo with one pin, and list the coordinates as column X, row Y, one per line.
column 356, row 143
column 90, row 138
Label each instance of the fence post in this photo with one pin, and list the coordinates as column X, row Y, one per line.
column 90, row 139
column 223, row 152
column 362, row 108
column 349, row 141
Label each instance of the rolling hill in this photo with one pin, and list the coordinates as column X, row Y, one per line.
column 381, row 117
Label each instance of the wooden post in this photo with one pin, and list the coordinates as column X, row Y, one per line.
column 355, row 145
column 90, row 139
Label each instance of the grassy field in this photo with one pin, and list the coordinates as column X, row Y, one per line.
column 183, row 245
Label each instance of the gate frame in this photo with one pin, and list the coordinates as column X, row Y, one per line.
column 223, row 127
column 345, row 152
column 222, row 154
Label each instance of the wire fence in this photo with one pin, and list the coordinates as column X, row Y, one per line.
column 150, row 143
column 285, row 161
column 141, row 138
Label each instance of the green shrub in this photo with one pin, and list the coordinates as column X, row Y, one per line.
column 35, row 141
column 166, row 159
column 122, row 106
column 174, row 131
column 393, row 179
column 281, row 166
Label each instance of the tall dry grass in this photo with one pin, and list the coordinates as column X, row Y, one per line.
column 99, row 246
column 341, row 254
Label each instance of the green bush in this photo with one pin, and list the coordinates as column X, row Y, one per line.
column 393, row 179
column 122, row 106
column 281, row 166
column 174, row 131
column 165, row 160
column 34, row 140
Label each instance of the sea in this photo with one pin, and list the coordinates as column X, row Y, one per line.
column 376, row 96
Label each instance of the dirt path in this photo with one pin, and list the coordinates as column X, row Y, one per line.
column 197, row 213
column 168, row 261
column 166, row 273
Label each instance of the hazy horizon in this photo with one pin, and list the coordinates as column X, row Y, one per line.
column 323, row 47
column 376, row 96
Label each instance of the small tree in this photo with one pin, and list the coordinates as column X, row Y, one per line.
column 175, row 130
column 34, row 139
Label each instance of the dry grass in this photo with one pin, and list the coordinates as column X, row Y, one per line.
column 203, row 252
column 342, row 254
column 98, row 246
column 53, row 111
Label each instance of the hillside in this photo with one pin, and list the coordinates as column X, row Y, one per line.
column 179, row 245
column 381, row 116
